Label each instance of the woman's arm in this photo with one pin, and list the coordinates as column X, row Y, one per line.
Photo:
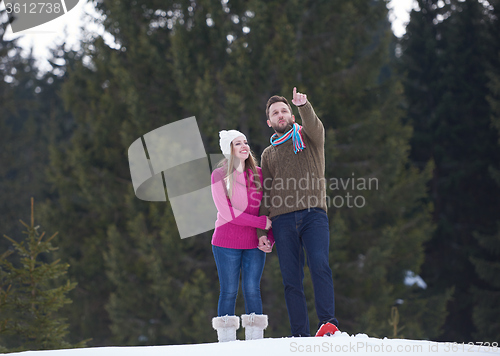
column 226, row 209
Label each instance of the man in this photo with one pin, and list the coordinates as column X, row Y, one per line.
column 293, row 169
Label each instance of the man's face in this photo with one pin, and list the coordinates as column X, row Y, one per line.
column 280, row 118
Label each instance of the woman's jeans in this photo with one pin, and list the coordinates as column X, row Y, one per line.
column 230, row 262
column 295, row 232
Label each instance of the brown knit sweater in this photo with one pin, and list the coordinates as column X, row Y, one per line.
column 292, row 181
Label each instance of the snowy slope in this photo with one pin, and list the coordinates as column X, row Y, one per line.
column 341, row 343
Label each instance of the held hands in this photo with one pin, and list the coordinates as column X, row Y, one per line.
column 264, row 244
column 299, row 99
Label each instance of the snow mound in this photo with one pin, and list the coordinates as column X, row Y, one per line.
column 340, row 343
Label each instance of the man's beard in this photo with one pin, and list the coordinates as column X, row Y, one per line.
column 283, row 130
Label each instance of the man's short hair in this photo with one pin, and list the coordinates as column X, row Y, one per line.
column 276, row 99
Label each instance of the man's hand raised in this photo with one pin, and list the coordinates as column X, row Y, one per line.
column 299, row 99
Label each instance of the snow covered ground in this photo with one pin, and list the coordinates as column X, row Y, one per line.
column 340, row 343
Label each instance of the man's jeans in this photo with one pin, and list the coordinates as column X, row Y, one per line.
column 293, row 232
column 229, row 263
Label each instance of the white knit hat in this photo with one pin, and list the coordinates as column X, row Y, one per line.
column 226, row 137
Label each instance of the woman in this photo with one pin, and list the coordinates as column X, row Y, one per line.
column 237, row 193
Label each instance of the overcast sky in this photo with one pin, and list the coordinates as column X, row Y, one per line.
column 68, row 27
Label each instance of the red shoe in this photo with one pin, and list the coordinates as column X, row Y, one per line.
column 327, row 329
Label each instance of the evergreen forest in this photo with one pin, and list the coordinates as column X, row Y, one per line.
column 419, row 115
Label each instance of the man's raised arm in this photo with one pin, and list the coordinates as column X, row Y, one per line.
column 312, row 125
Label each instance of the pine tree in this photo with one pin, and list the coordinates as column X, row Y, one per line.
column 486, row 312
column 444, row 55
column 30, row 108
column 23, row 153
column 6, row 97
column 29, row 299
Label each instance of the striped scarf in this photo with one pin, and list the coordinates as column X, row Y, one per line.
column 295, row 133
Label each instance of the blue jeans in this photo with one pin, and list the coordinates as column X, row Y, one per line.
column 295, row 232
column 230, row 262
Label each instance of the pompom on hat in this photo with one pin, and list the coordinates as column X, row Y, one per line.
column 226, row 137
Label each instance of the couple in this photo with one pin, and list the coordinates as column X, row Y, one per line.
column 250, row 199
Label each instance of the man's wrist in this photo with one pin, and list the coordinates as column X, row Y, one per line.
column 301, row 106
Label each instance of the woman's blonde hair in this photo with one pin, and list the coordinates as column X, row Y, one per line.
column 251, row 164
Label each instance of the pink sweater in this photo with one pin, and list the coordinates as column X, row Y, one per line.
column 237, row 218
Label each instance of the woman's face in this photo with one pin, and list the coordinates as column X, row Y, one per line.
column 241, row 150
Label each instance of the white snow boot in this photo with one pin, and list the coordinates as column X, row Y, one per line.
column 226, row 327
column 254, row 326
